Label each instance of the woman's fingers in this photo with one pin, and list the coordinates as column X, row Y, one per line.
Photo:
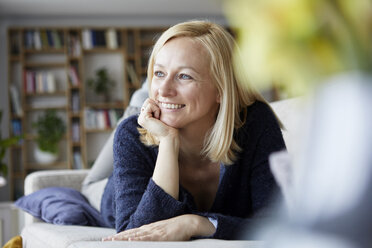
column 149, row 119
column 149, row 110
column 130, row 235
column 179, row 228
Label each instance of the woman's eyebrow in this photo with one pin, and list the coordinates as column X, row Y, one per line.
column 179, row 67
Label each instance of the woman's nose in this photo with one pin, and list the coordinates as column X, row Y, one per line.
column 166, row 87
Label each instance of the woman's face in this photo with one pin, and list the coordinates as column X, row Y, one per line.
column 182, row 85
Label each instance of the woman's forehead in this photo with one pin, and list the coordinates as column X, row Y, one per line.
column 184, row 51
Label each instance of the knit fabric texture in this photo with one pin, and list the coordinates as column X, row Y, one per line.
column 132, row 199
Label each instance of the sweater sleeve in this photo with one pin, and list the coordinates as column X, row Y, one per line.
column 139, row 200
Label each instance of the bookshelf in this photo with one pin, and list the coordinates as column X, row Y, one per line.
column 48, row 69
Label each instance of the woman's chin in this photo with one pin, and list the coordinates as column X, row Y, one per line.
column 170, row 122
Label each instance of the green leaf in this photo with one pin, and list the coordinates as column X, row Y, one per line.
column 50, row 129
column 3, row 169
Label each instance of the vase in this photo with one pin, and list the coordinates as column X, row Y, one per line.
column 2, row 181
column 43, row 157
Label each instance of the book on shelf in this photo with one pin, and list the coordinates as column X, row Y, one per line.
column 133, row 78
column 29, row 40
column 39, row 39
column 15, row 100
column 100, row 38
column 76, row 131
column 14, row 44
column 44, row 39
column 87, row 42
column 112, row 39
column 75, row 102
column 16, row 127
column 101, row 118
column 73, row 45
column 56, row 41
column 74, row 76
column 39, row 82
column 78, row 163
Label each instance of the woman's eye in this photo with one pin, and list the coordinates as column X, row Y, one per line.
column 185, row 76
column 158, row 74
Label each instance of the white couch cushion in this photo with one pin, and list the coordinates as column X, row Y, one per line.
column 48, row 235
column 291, row 112
column 201, row 243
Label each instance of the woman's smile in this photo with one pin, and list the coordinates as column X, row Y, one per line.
column 165, row 105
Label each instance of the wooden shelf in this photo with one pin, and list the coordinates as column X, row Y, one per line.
column 44, row 50
column 44, row 65
column 15, row 58
column 75, row 115
column 32, row 137
column 18, row 175
column 74, row 87
column 131, row 57
column 76, row 144
column 97, row 130
column 102, row 50
column 56, row 93
column 112, row 105
column 73, row 58
column 147, row 43
column 23, row 57
column 46, row 108
column 16, row 147
column 14, row 116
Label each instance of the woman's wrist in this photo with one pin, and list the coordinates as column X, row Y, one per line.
column 201, row 226
column 172, row 138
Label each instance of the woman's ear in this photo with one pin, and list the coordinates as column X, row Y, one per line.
column 218, row 98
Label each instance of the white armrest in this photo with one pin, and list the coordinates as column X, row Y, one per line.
column 54, row 178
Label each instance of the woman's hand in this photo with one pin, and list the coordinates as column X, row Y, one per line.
column 149, row 119
column 180, row 228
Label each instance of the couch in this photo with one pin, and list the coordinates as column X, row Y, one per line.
column 40, row 234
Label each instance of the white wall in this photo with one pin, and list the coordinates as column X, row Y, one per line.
column 129, row 20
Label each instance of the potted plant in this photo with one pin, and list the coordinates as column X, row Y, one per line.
column 4, row 144
column 101, row 83
column 50, row 130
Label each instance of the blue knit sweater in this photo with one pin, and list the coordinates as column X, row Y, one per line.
column 132, row 199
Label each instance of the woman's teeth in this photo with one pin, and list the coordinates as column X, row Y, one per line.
column 171, row 105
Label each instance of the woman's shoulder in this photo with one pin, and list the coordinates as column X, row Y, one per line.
column 127, row 127
column 258, row 117
column 260, row 112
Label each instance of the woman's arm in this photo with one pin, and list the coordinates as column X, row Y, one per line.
column 166, row 172
column 145, row 194
column 138, row 199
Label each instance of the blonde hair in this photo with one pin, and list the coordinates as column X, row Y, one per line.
column 219, row 145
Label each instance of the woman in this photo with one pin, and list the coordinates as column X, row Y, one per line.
column 198, row 166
